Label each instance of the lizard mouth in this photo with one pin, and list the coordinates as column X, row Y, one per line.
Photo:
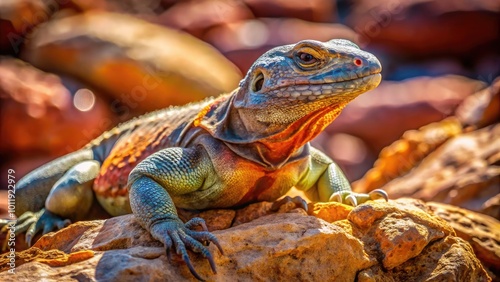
column 318, row 90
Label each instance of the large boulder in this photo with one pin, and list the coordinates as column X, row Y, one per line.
column 376, row 241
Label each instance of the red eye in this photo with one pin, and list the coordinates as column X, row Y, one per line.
column 306, row 58
column 358, row 62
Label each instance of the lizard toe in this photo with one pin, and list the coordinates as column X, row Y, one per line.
column 196, row 221
column 46, row 222
column 176, row 235
column 355, row 199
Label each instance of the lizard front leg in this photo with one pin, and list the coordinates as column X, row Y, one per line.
column 172, row 171
column 331, row 183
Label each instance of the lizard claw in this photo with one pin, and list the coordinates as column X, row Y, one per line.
column 177, row 235
column 354, row 199
column 297, row 200
column 32, row 223
column 378, row 194
column 47, row 221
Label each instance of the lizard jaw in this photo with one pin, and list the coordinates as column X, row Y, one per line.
column 315, row 91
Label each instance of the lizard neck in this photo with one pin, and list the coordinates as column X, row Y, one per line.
column 271, row 145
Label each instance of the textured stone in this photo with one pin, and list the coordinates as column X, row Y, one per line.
column 366, row 243
column 461, row 172
column 402, row 155
column 481, row 231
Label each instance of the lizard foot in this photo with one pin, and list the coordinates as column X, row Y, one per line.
column 354, row 199
column 298, row 201
column 32, row 223
column 177, row 235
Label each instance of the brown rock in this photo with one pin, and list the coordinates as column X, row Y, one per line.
column 481, row 231
column 415, row 102
column 37, row 104
column 17, row 19
column 314, row 10
column 444, row 260
column 138, row 64
column 243, row 42
column 196, row 17
column 401, row 156
column 54, row 258
column 422, row 28
column 482, row 108
column 281, row 246
column 461, row 172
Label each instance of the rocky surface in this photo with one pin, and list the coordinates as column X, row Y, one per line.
column 376, row 241
column 454, row 161
column 481, row 231
column 442, row 28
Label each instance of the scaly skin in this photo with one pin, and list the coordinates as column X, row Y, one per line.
column 247, row 146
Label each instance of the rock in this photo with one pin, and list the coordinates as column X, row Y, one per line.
column 460, row 172
column 139, row 64
column 196, row 17
column 479, row 230
column 415, row 102
column 17, row 20
column 35, row 103
column 477, row 110
column 451, row 161
column 424, row 28
column 313, row 11
column 375, row 241
column 53, row 258
column 402, row 155
column 243, row 42
column 482, row 108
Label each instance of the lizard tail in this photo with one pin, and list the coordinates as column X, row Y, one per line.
column 34, row 188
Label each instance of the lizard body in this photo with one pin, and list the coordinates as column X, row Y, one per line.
column 246, row 146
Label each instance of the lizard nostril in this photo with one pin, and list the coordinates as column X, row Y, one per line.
column 358, row 62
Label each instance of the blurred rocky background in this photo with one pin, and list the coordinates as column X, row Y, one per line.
column 71, row 69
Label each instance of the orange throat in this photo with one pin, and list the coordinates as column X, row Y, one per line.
column 282, row 145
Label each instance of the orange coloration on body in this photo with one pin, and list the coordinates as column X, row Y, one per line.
column 300, row 132
column 113, row 176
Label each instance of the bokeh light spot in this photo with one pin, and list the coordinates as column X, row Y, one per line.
column 84, row 100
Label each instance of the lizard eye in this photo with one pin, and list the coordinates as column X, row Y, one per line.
column 258, row 82
column 306, row 58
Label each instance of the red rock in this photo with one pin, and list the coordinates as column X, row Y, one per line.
column 421, row 28
column 313, row 10
column 415, row 102
column 245, row 41
column 196, row 17
column 38, row 113
column 140, row 75
column 17, row 19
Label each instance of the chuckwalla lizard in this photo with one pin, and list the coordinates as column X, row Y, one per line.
column 246, row 146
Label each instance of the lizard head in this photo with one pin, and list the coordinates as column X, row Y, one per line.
column 290, row 82
column 289, row 95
